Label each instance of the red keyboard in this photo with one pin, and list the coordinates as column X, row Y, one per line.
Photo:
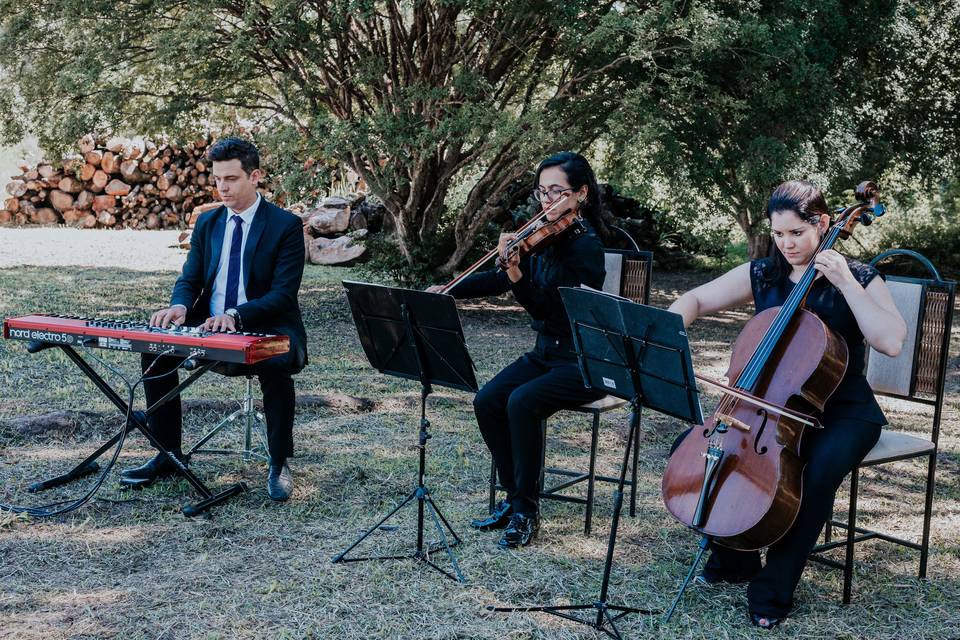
column 121, row 335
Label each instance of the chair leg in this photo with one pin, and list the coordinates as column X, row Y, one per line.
column 493, row 484
column 592, row 477
column 543, row 456
column 636, row 463
column 851, row 536
column 828, row 528
column 927, row 513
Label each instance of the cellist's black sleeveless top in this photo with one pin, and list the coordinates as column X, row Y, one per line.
column 853, row 397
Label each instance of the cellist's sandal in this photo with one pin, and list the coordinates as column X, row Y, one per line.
column 764, row 622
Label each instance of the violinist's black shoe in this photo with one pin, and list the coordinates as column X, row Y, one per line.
column 159, row 466
column 520, row 531
column 279, row 482
column 498, row 518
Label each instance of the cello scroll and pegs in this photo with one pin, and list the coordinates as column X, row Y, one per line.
column 865, row 211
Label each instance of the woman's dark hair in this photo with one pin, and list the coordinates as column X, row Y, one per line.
column 235, row 149
column 579, row 173
column 802, row 198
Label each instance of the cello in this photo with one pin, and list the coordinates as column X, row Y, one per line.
column 738, row 480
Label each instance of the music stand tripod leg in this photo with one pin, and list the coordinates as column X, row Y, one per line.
column 424, row 501
column 437, row 517
column 603, row 617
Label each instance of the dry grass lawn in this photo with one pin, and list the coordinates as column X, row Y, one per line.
column 130, row 565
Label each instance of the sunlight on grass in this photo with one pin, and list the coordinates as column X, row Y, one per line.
column 252, row 568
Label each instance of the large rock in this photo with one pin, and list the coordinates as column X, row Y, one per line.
column 335, row 251
column 328, row 222
column 335, row 202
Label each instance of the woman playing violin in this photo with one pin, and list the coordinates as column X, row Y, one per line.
column 856, row 304
column 546, row 379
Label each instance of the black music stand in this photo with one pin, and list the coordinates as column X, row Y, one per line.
column 638, row 353
column 416, row 335
column 136, row 420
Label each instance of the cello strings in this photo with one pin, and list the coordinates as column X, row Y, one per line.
column 751, row 373
column 754, row 368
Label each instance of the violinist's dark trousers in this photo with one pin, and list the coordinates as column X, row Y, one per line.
column 831, row 455
column 276, row 383
column 510, row 407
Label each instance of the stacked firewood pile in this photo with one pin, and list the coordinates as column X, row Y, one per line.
column 119, row 183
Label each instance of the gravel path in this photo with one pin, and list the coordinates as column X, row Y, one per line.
column 122, row 249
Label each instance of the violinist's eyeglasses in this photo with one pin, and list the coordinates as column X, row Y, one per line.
column 551, row 194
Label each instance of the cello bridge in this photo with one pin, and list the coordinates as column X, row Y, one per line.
column 733, row 422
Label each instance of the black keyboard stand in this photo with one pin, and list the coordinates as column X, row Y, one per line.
column 137, row 420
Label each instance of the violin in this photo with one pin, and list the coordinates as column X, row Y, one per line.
column 536, row 235
column 739, row 478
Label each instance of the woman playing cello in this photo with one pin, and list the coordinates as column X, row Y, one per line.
column 856, row 304
column 546, row 379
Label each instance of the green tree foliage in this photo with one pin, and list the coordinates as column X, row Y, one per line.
column 410, row 93
column 442, row 106
column 752, row 93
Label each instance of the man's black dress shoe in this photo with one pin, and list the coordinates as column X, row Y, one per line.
column 159, row 466
column 498, row 518
column 520, row 531
column 279, row 482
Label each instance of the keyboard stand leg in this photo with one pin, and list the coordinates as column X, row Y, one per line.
column 138, row 420
column 85, row 468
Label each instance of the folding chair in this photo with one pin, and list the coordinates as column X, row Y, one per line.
column 917, row 376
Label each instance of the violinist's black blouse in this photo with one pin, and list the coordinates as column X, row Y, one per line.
column 574, row 260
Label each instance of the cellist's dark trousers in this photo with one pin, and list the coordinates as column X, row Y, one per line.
column 831, row 454
column 509, row 409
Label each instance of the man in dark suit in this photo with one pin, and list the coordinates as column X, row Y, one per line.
column 243, row 273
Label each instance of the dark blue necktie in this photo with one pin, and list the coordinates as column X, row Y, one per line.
column 233, row 267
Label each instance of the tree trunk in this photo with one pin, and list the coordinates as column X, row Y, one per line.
column 758, row 240
column 483, row 204
column 758, row 245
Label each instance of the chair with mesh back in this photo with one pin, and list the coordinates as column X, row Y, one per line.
column 916, row 376
column 627, row 275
